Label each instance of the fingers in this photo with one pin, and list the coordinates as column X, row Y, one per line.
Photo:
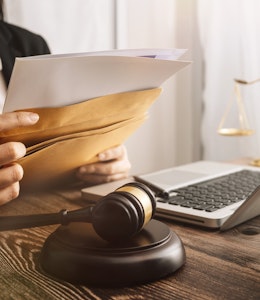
column 9, row 193
column 10, row 152
column 113, row 153
column 104, row 171
column 114, row 166
column 17, row 119
column 93, row 179
column 9, row 182
column 10, row 173
column 106, row 168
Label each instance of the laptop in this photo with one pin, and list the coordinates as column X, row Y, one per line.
column 205, row 193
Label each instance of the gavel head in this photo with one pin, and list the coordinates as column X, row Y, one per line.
column 124, row 212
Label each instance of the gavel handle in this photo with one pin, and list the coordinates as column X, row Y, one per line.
column 63, row 217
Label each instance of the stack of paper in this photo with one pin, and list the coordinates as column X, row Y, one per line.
column 72, row 130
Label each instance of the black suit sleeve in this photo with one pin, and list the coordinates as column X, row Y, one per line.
column 18, row 42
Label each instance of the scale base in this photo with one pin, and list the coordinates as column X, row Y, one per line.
column 255, row 162
column 75, row 253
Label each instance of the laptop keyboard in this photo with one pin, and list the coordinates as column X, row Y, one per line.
column 216, row 193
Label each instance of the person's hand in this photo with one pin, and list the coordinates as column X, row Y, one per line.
column 10, row 172
column 113, row 165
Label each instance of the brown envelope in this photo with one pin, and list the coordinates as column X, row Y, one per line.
column 67, row 137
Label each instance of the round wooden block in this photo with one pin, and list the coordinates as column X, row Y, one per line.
column 75, row 253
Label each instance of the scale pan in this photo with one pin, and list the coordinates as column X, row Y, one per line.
column 235, row 132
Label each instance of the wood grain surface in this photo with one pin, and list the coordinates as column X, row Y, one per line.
column 219, row 265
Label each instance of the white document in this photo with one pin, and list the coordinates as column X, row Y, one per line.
column 64, row 79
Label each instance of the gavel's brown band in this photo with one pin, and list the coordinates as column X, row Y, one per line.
column 143, row 198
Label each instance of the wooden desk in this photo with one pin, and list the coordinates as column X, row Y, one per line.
column 219, row 265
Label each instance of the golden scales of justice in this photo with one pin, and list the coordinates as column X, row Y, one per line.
column 243, row 128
